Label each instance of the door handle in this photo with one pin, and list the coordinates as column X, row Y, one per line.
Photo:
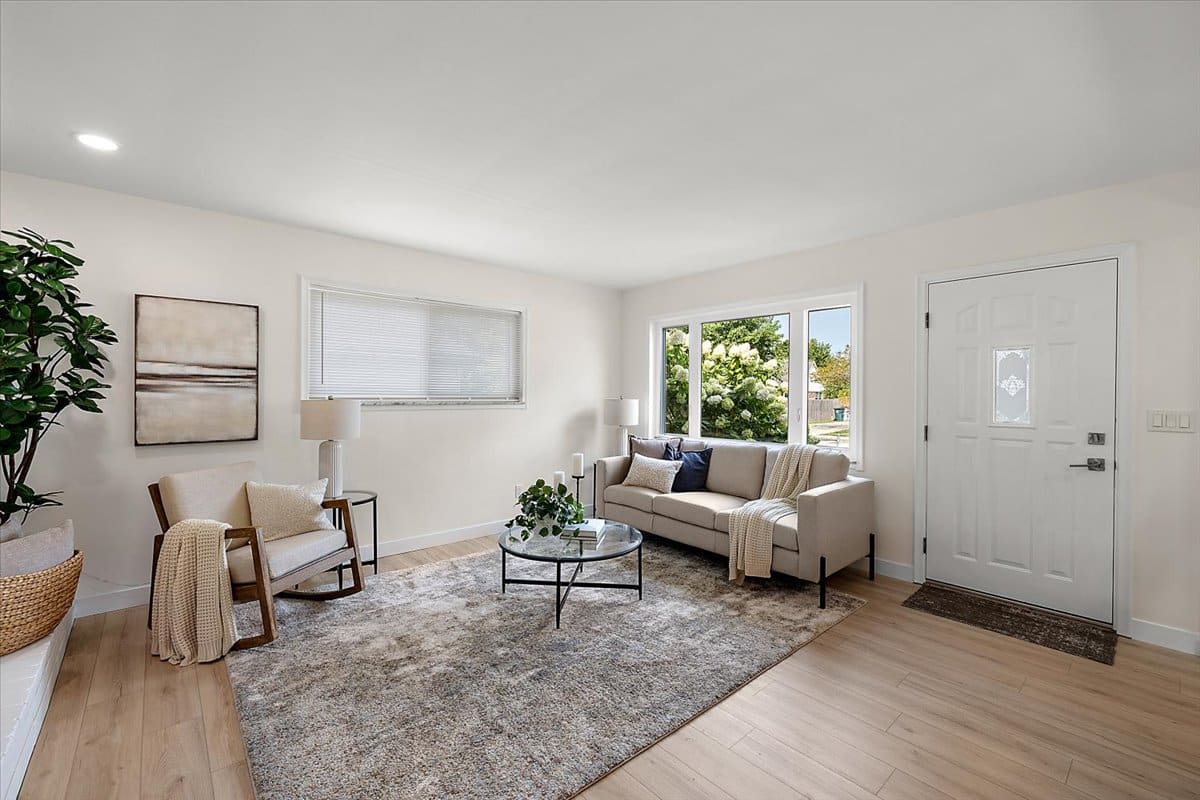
column 1092, row 465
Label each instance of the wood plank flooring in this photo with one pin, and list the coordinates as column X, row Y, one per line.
column 891, row 703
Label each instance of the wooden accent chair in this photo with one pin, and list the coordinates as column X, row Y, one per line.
column 258, row 569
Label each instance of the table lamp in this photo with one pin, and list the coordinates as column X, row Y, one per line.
column 623, row 413
column 332, row 421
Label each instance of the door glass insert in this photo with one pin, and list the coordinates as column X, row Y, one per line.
column 1012, row 385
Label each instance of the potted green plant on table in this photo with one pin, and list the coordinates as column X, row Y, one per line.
column 545, row 510
column 50, row 358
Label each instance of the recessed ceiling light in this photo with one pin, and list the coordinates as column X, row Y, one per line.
column 96, row 142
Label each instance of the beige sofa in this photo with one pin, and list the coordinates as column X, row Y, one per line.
column 833, row 525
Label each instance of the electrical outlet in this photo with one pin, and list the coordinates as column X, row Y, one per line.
column 1162, row 420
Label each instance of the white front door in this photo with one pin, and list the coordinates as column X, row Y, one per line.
column 1022, row 390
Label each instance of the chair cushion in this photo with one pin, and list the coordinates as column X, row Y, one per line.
column 283, row 511
column 737, row 469
column 285, row 555
column 696, row 508
column 652, row 473
column 783, row 534
column 637, row 497
column 217, row 493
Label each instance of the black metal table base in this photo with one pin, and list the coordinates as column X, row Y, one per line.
column 373, row 561
column 563, row 590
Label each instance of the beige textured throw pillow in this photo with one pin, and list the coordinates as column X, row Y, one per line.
column 283, row 511
column 37, row 551
column 652, row 473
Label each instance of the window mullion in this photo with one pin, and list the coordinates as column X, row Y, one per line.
column 695, row 356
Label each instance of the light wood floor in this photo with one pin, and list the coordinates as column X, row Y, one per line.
column 890, row 703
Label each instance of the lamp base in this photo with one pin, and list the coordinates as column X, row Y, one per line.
column 330, row 466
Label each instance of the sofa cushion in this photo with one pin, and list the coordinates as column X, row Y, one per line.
column 737, row 469
column 697, row 508
column 638, row 497
column 683, row 532
column 829, row 466
column 642, row 520
column 783, row 534
column 653, row 448
column 285, row 555
column 693, row 475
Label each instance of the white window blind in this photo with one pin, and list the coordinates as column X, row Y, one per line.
column 407, row 350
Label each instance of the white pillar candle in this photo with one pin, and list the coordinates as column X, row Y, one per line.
column 560, row 477
column 576, row 464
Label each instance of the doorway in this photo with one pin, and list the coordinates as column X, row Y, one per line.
column 1021, row 407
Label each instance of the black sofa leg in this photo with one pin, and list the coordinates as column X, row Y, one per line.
column 821, row 582
column 871, row 559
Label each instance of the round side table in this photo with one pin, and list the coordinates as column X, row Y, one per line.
column 360, row 497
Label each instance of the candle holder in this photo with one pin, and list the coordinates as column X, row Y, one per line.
column 577, row 479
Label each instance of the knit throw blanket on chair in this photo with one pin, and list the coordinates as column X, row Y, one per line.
column 192, row 612
column 751, row 527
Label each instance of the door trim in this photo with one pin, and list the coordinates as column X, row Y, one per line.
column 1125, row 254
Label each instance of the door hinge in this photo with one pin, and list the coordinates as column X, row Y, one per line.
column 927, row 433
column 924, row 545
column 926, row 319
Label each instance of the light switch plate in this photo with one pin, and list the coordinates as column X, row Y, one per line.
column 1170, row 420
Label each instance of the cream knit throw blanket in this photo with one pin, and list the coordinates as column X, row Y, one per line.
column 192, row 612
column 751, row 526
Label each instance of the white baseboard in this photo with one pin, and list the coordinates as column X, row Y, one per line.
column 391, row 547
column 113, row 600
column 129, row 596
column 103, row 599
column 889, row 569
column 1165, row 636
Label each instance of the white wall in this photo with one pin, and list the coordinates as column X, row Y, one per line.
column 435, row 470
column 1161, row 215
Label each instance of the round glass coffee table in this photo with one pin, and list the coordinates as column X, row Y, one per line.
column 619, row 540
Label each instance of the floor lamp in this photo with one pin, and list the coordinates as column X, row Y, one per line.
column 623, row 413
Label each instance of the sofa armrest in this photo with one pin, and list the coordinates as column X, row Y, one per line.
column 843, row 516
column 609, row 472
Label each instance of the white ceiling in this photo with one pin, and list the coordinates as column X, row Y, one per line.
column 615, row 143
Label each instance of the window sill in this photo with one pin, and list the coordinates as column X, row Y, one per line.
column 384, row 405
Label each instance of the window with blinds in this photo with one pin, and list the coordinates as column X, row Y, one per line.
column 400, row 350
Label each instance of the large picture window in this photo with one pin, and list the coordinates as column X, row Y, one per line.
column 778, row 372
column 399, row 350
column 744, row 378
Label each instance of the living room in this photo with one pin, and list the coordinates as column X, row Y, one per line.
column 640, row 400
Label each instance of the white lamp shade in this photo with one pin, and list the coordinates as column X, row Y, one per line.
column 622, row 412
column 330, row 419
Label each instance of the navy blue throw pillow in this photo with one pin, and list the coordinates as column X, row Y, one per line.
column 693, row 475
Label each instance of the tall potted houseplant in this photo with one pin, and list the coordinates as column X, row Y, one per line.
column 50, row 359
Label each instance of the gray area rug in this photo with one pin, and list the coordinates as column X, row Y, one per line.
column 433, row 684
column 1068, row 634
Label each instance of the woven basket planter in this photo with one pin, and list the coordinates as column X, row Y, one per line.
column 32, row 605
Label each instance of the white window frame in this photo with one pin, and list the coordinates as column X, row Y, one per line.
column 797, row 308
column 307, row 285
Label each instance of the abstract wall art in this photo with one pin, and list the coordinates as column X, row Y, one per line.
column 196, row 371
